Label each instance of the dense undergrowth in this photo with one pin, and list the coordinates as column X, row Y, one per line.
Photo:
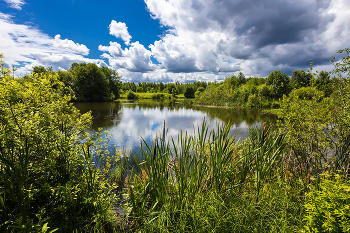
column 53, row 177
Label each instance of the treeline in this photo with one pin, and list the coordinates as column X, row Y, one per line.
column 254, row 91
column 239, row 90
column 177, row 88
column 88, row 82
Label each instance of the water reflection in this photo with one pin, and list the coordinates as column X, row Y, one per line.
column 131, row 120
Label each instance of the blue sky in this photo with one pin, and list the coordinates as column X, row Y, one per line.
column 174, row 40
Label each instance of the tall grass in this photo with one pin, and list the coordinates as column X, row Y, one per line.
column 211, row 182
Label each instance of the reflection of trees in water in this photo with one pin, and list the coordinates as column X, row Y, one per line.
column 237, row 116
column 105, row 114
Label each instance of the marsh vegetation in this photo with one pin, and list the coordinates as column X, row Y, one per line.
column 56, row 176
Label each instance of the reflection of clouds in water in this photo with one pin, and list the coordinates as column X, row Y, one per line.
column 137, row 123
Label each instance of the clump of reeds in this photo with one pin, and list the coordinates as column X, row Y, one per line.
column 175, row 178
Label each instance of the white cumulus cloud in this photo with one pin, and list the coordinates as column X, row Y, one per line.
column 114, row 49
column 120, row 30
column 26, row 46
column 136, row 58
column 70, row 45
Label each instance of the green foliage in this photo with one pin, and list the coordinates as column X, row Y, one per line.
column 139, row 89
column 319, row 127
column 264, row 91
column 307, row 93
column 241, row 78
column 328, row 205
column 87, row 82
column 300, row 79
column 169, row 88
column 3, row 70
column 324, row 76
column 158, row 96
column 91, row 83
column 173, row 92
column 114, row 81
column 189, row 92
column 342, row 67
column 200, row 89
column 308, row 123
column 132, row 95
column 48, row 179
column 253, row 100
column 280, row 84
column 322, row 84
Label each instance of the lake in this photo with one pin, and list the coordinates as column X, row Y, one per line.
column 131, row 120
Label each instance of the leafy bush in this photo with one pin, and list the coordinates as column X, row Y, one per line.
column 132, row 95
column 307, row 93
column 328, row 205
column 264, row 91
column 158, row 96
column 253, row 100
column 319, row 127
column 48, row 179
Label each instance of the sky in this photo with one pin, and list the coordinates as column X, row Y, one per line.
column 175, row 40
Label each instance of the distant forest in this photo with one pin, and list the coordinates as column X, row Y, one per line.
column 88, row 82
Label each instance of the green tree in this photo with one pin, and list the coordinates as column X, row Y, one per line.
column 189, row 92
column 42, row 69
column 114, row 80
column 300, row 79
column 91, row 83
column 324, row 75
column 280, row 84
column 324, row 83
column 241, row 78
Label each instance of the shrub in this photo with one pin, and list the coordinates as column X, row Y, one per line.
column 158, row 96
column 253, row 100
column 307, row 93
column 264, row 91
column 328, row 207
column 48, row 179
column 132, row 95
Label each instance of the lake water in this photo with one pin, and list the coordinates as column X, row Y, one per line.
column 131, row 120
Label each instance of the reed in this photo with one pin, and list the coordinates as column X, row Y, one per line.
column 173, row 178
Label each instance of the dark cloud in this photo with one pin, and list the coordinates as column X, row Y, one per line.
column 263, row 23
column 323, row 3
column 181, row 65
column 197, row 5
